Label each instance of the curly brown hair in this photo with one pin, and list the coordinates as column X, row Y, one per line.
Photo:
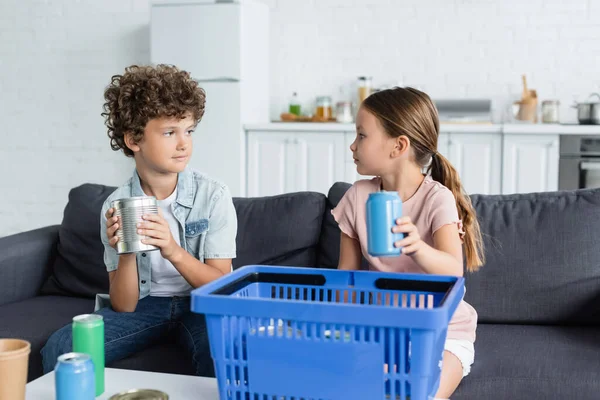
column 143, row 93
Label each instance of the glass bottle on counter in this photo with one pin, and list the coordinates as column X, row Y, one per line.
column 364, row 88
column 295, row 107
column 550, row 111
column 343, row 112
column 324, row 109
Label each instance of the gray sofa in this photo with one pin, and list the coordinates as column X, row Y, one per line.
column 538, row 296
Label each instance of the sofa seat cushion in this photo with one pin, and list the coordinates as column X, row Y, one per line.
column 37, row 318
column 533, row 362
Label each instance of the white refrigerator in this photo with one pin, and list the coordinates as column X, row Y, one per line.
column 225, row 46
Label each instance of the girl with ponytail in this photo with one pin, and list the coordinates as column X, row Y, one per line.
column 396, row 140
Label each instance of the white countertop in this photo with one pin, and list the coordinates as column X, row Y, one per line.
column 524, row 129
column 551, row 129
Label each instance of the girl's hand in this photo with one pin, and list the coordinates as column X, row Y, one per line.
column 412, row 242
column 158, row 233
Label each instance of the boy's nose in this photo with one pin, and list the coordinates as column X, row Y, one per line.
column 183, row 143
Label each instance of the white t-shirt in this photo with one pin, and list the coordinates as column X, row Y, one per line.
column 166, row 280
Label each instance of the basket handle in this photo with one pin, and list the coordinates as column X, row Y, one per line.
column 413, row 285
column 270, row 277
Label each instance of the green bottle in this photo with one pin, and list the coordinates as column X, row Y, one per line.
column 88, row 338
column 295, row 105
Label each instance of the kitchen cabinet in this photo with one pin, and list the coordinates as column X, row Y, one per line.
column 477, row 158
column 444, row 144
column 285, row 159
column 284, row 162
column 530, row 163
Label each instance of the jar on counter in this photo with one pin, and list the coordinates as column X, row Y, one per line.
column 364, row 88
column 324, row 110
column 343, row 112
column 550, row 111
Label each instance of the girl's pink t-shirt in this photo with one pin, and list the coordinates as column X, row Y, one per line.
column 431, row 207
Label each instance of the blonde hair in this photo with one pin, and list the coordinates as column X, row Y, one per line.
column 411, row 113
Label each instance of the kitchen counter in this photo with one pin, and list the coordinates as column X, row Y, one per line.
column 337, row 127
column 525, row 129
column 551, row 129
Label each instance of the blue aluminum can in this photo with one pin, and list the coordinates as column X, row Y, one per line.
column 74, row 377
column 383, row 209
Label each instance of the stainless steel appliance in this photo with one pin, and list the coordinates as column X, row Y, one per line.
column 464, row 110
column 579, row 165
column 589, row 113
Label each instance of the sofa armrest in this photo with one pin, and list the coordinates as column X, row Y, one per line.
column 25, row 262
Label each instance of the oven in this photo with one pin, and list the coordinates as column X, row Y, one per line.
column 579, row 164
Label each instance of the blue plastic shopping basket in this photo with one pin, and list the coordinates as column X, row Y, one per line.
column 288, row 333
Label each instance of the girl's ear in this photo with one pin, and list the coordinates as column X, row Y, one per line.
column 401, row 146
column 131, row 143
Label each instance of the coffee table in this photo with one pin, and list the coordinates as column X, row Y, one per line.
column 178, row 387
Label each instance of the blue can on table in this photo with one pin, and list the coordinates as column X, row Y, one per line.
column 74, row 377
column 383, row 209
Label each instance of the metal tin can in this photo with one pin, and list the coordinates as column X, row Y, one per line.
column 74, row 377
column 383, row 208
column 130, row 211
column 140, row 394
column 88, row 338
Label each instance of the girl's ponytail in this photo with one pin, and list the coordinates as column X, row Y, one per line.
column 443, row 172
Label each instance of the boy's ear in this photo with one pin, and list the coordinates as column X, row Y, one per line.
column 401, row 145
column 131, row 143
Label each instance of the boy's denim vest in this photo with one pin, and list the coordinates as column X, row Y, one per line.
column 205, row 215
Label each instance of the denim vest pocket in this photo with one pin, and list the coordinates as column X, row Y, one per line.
column 195, row 233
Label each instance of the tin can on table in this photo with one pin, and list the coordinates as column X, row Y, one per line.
column 140, row 394
column 130, row 211
column 74, row 377
column 88, row 338
column 383, row 209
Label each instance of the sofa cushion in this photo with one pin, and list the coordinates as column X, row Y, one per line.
column 279, row 230
column 329, row 240
column 543, row 258
column 79, row 268
column 533, row 362
column 276, row 230
column 35, row 319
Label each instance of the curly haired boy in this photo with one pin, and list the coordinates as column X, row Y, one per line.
column 151, row 114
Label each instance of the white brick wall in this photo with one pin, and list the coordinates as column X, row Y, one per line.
column 451, row 48
column 56, row 56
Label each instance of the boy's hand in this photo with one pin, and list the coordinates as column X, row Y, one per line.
column 158, row 233
column 112, row 224
column 412, row 242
